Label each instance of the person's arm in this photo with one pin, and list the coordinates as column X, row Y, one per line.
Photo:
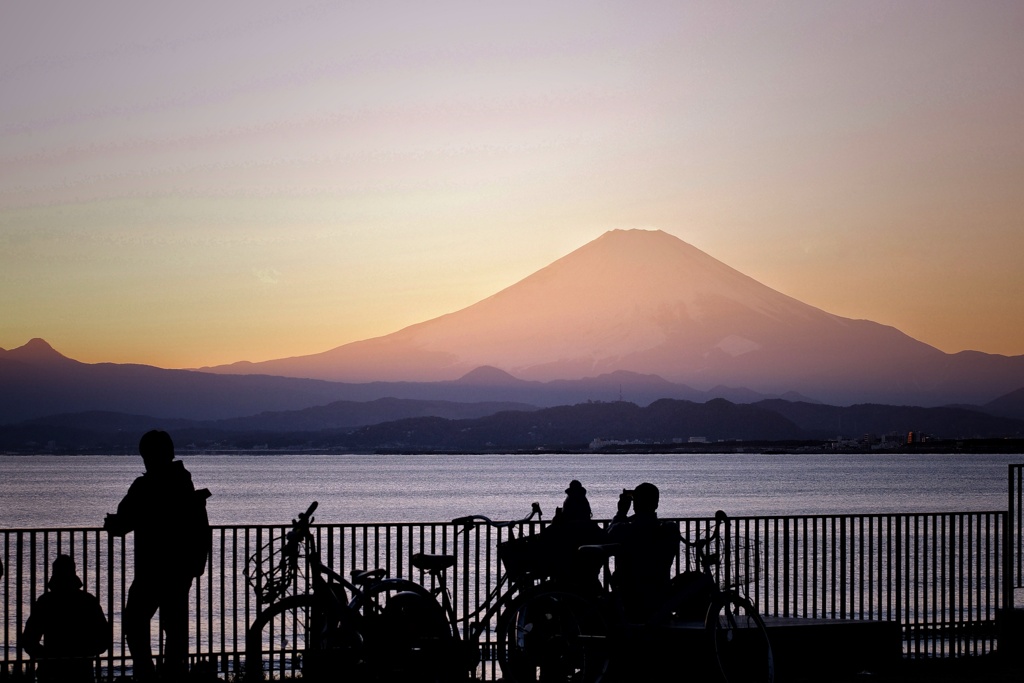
column 31, row 635
column 127, row 512
column 625, row 502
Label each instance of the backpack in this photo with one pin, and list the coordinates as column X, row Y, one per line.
column 198, row 538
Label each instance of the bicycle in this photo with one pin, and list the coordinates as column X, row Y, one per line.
column 561, row 617
column 706, row 596
column 316, row 632
column 734, row 627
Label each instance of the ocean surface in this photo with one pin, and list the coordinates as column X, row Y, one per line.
column 77, row 491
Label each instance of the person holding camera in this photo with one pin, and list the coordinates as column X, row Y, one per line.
column 644, row 562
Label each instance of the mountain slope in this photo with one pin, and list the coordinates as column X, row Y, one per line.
column 647, row 302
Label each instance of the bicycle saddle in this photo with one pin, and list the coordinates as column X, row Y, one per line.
column 365, row 577
column 432, row 563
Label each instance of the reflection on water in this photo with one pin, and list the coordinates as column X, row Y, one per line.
column 67, row 491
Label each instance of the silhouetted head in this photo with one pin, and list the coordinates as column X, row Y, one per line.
column 576, row 505
column 64, row 574
column 156, row 448
column 575, row 488
column 645, row 497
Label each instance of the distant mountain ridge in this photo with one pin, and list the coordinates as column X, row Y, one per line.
column 634, row 315
column 648, row 303
column 38, row 381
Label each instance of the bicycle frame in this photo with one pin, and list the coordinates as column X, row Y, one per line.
column 328, row 621
column 735, row 628
column 478, row 620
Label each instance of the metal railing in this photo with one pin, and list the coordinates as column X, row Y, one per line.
column 1013, row 559
column 939, row 575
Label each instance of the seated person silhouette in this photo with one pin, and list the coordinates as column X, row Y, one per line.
column 648, row 547
column 571, row 527
column 66, row 628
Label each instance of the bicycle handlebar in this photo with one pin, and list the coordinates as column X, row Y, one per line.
column 702, row 544
column 471, row 520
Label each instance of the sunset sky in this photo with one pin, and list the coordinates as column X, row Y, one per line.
column 188, row 184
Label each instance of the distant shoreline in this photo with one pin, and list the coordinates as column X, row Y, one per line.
column 819, row 447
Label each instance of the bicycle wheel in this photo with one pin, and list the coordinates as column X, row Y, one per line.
column 297, row 638
column 551, row 635
column 740, row 641
column 407, row 634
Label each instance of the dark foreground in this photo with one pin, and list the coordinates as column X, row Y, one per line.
column 964, row 670
column 983, row 668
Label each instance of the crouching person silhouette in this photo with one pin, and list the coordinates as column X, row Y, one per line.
column 168, row 518
column 66, row 628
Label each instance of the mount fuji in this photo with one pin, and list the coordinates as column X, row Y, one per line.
column 646, row 302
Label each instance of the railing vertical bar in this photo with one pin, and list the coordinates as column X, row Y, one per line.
column 854, row 593
column 814, row 564
column 1011, row 549
column 925, row 584
column 365, row 549
column 1017, row 540
column 873, row 590
column 970, row 572
column 775, row 561
column 805, row 553
column 992, row 536
column 785, row 568
column 978, row 549
column 843, row 560
column 234, row 598
column 897, row 578
column 943, row 570
column 962, row 579
column 222, row 574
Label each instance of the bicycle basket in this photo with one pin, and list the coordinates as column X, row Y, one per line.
column 740, row 564
column 271, row 571
column 525, row 555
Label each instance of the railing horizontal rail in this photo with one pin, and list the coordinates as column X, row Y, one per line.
column 939, row 575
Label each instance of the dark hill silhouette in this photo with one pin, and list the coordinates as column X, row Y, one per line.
column 1008, row 405
column 350, row 414
column 575, row 427
column 648, row 303
column 473, row 428
column 38, row 384
column 38, row 381
column 824, row 421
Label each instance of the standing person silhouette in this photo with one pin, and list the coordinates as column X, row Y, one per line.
column 643, row 567
column 66, row 628
column 156, row 508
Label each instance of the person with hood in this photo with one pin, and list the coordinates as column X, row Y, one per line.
column 571, row 527
column 66, row 628
column 157, row 508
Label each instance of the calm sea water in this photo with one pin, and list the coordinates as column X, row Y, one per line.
column 64, row 491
